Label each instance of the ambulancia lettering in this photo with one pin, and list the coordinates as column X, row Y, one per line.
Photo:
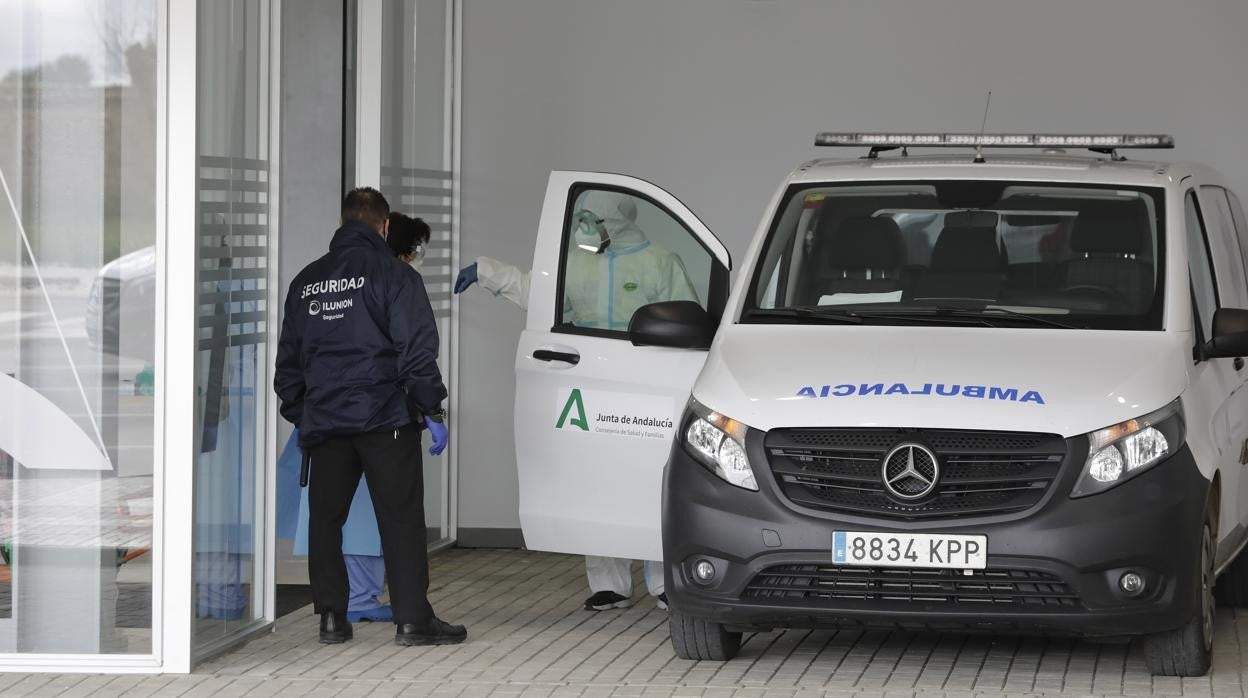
column 976, row 392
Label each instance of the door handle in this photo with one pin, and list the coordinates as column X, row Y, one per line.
column 551, row 355
column 1238, row 363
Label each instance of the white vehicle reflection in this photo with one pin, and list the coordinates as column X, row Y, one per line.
column 121, row 306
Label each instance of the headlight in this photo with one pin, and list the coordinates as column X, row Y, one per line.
column 718, row 442
column 1120, row 452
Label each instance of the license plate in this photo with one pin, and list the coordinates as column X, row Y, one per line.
column 938, row 551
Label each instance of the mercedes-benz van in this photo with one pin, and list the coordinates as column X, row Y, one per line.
column 990, row 391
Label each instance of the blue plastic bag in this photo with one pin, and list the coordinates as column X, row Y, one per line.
column 288, row 489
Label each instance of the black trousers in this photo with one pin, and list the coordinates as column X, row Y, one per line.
column 392, row 462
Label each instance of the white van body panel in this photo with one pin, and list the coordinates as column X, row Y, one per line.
column 1064, row 382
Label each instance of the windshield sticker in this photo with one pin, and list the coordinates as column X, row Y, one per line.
column 975, row 392
column 813, row 200
column 615, row 414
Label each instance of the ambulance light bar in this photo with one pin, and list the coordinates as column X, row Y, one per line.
column 993, row 140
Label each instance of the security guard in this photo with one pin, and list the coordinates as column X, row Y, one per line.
column 357, row 372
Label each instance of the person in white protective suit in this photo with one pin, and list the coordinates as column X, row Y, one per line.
column 612, row 271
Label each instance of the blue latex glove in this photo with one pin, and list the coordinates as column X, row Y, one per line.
column 440, row 434
column 467, row 277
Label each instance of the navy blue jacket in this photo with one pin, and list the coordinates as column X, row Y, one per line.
column 359, row 345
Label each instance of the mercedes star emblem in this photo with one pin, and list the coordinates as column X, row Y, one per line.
column 910, row 471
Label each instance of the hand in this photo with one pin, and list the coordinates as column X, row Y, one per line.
column 440, row 434
column 467, row 277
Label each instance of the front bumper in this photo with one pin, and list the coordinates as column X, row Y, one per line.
column 1150, row 525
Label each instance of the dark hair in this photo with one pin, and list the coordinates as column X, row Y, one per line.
column 365, row 204
column 405, row 233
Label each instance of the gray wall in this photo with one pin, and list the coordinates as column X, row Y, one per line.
column 716, row 100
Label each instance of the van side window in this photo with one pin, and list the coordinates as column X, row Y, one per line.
column 1206, row 295
column 1228, row 259
column 623, row 251
column 1241, row 224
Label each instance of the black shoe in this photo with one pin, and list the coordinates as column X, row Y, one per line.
column 661, row 601
column 605, row 601
column 334, row 628
column 435, row 632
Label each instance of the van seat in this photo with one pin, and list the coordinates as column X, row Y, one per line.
column 1109, row 242
column 967, row 262
column 863, row 255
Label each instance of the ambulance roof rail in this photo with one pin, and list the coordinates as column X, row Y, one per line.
column 1100, row 143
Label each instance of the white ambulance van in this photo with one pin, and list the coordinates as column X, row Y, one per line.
column 985, row 390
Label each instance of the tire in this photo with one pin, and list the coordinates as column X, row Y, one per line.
column 1232, row 588
column 694, row 638
column 1187, row 651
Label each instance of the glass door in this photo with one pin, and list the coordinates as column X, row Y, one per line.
column 236, row 188
column 406, row 117
column 78, row 229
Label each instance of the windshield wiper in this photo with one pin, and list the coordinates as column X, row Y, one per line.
column 939, row 315
column 808, row 312
column 1007, row 313
column 928, row 316
column 820, row 313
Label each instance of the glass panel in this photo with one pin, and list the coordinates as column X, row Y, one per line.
column 1241, row 224
column 624, row 252
column 233, row 235
column 1198, row 266
column 964, row 252
column 415, row 173
column 1220, row 226
column 77, row 324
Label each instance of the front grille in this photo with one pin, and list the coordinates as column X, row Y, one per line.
column 980, row 472
column 1022, row 589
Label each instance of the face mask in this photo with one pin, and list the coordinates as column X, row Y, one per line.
column 589, row 233
column 418, row 256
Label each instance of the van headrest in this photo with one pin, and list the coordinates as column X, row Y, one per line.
column 1117, row 227
column 866, row 243
column 967, row 249
column 971, row 219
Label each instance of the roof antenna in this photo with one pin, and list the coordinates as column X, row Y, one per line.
column 979, row 142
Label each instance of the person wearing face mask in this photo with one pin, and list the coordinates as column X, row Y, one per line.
column 612, row 270
column 606, row 245
column 408, row 238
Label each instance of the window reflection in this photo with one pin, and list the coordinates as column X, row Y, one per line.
column 77, row 230
column 234, row 222
column 416, row 176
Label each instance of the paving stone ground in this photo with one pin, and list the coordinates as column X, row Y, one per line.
column 529, row 637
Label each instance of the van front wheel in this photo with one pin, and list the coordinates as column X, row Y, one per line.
column 1186, row 651
column 694, row 638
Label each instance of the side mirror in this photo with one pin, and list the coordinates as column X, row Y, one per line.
column 1230, row 335
column 678, row 324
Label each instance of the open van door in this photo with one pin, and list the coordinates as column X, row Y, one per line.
column 595, row 415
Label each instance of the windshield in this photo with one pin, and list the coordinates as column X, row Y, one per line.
column 985, row 253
